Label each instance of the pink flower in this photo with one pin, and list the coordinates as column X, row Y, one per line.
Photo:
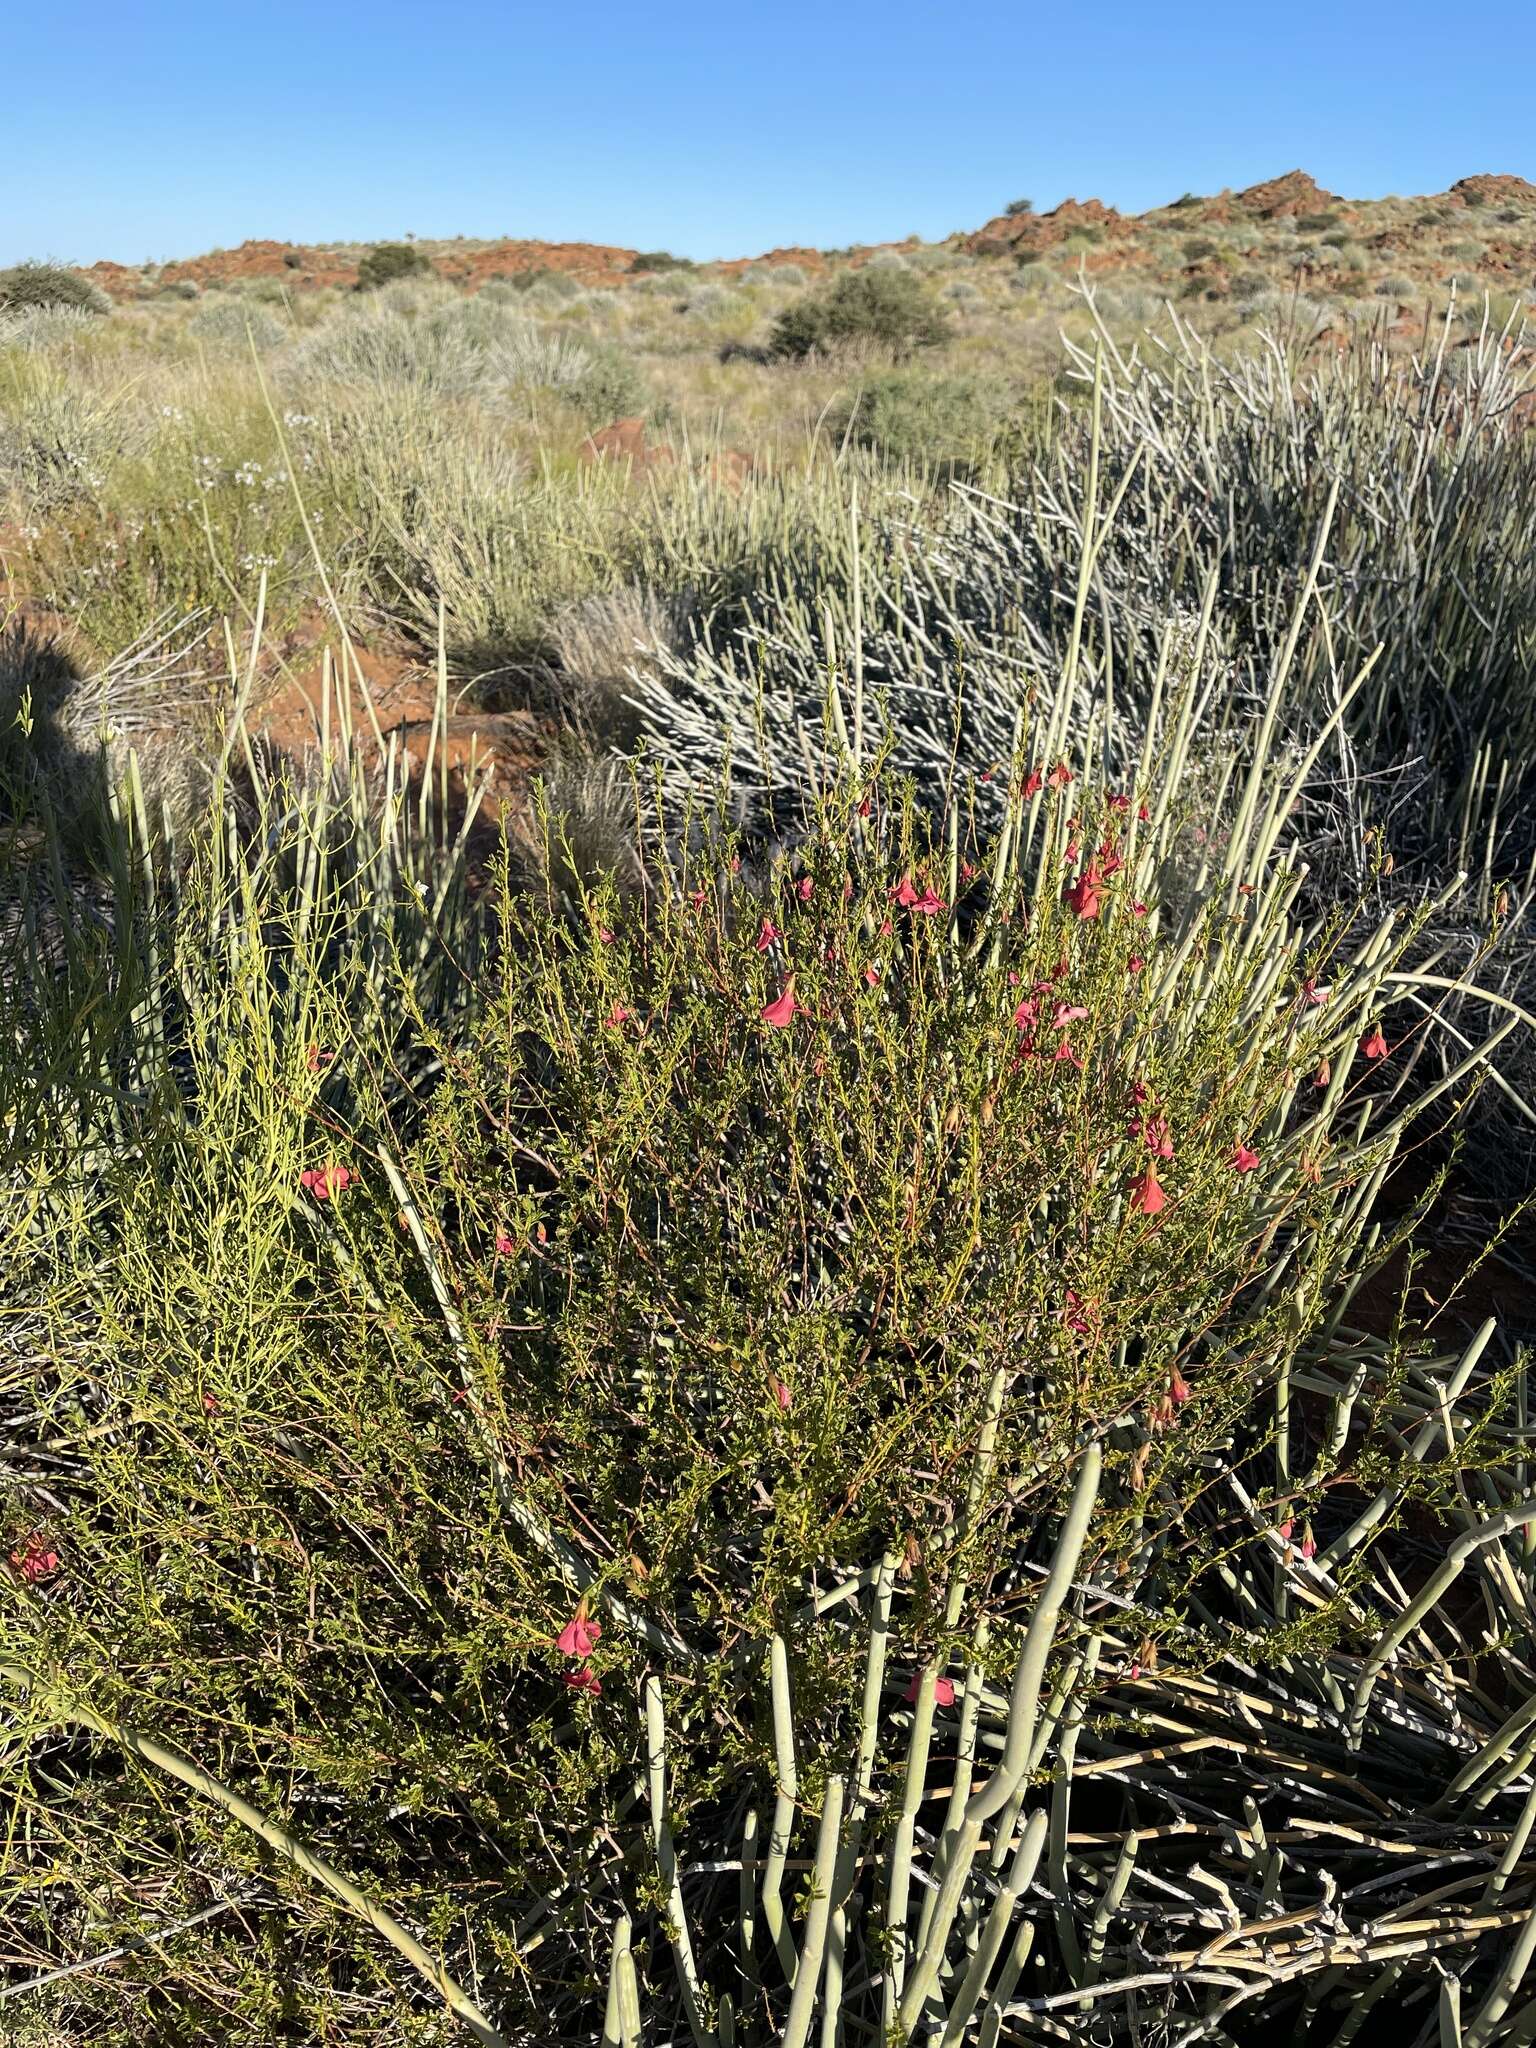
column 1059, row 776
column 865, row 806
column 1308, row 1541
column 905, row 892
column 584, row 1679
column 325, row 1181
column 504, row 1245
column 1135, row 964
column 1118, row 802
column 780, row 1013
column 1082, row 899
column 617, row 1015
column 1155, row 1135
column 698, row 898
column 872, row 975
column 1065, row 1014
column 1064, row 1053
column 1032, row 783
column 1375, row 1047
column 33, row 1562
column 781, row 1392
column 929, row 903
column 1139, row 1093
column 1147, row 1196
column 1077, row 1315
column 317, row 1058
column 1244, row 1160
column 1138, row 910
column 967, row 871
column 1286, row 1530
column 604, row 935
column 1178, row 1388
column 804, row 888
column 1144, row 814
column 1315, row 996
column 1027, row 1014
column 210, row 1404
column 579, row 1637
column 943, row 1691
column 886, row 928
column 767, row 932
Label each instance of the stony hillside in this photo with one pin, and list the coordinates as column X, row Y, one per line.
column 1287, row 230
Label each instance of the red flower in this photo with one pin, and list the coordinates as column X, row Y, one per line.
column 1286, row 1530
column 1178, row 1387
column 1065, row 1014
column 1065, row 1053
column 1138, row 910
column 1315, row 996
column 967, row 872
column 1139, row 1093
column 1147, row 1194
column 929, row 903
column 1082, row 899
column 943, row 1691
column 1156, row 1136
column 210, row 1404
column 1375, row 1047
column 605, row 935
column 1072, row 852
column 767, row 932
column 1059, row 776
column 34, row 1562
column 1135, row 964
column 617, row 1015
column 865, row 807
column 1032, row 783
column 579, row 1637
column 781, row 1392
column 871, row 975
column 584, row 1679
column 317, row 1058
column 1078, row 1314
column 325, row 1181
column 804, row 888
column 886, row 928
column 1308, row 1541
column 698, row 898
column 504, row 1245
column 1144, row 814
column 905, row 892
column 780, row 1013
column 1118, row 802
column 1243, row 1159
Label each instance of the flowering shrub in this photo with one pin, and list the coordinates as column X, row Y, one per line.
column 682, row 1336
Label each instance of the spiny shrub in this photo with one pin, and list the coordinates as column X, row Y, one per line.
column 26, row 287
column 386, row 261
column 236, row 326
column 914, row 416
column 649, row 261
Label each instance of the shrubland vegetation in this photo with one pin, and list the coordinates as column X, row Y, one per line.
column 790, row 1393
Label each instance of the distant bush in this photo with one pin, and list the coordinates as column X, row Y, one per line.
column 887, row 259
column 869, row 308
column 179, row 288
column 1185, row 199
column 1017, row 206
column 913, row 416
column 236, row 326
column 28, row 285
column 659, row 259
column 387, row 261
column 961, row 292
column 292, row 260
column 1198, row 247
column 708, row 301
column 1394, row 287
column 1314, row 223
column 744, row 352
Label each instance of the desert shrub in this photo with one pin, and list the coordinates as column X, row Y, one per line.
column 887, row 259
column 913, row 416
column 870, row 308
column 44, row 327
column 28, row 287
column 1198, row 247
column 293, row 259
column 180, row 288
column 782, row 1299
column 1015, row 207
column 1033, row 276
column 743, row 352
column 1315, row 223
column 1395, row 286
column 961, row 292
column 387, row 261
column 236, row 326
column 709, row 301
column 652, row 260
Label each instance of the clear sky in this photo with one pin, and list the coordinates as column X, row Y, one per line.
column 142, row 132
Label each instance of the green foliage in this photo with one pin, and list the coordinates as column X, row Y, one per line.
column 886, row 309
column 387, row 261
column 1016, row 207
column 1314, row 223
column 29, row 287
column 652, row 260
column 916, row 417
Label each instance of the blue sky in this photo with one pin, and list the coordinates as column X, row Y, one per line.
column 164, row 130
